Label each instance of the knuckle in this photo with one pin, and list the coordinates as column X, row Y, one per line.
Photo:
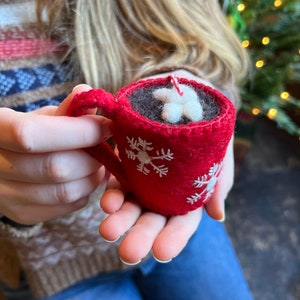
column 66, row 194
column 55, row 169
column 23, row 132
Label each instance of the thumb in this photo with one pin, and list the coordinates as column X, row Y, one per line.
column 63, row 107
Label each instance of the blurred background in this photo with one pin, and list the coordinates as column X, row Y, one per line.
column 263, row 208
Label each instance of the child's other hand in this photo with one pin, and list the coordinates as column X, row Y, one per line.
column 44, row 173
column 145, row 231
column 148, row 231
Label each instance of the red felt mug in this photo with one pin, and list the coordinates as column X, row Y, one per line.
column 169, row 169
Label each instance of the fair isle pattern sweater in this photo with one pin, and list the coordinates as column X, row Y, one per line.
column 61, row 252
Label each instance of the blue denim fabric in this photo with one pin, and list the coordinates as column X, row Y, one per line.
column 206, row 269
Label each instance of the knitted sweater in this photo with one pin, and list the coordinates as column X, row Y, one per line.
column 63, row 251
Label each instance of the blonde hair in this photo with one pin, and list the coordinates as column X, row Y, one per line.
column 117, row 41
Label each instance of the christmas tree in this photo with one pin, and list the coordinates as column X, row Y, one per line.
column 270, row 30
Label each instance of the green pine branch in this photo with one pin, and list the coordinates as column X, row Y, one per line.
column 281, row 58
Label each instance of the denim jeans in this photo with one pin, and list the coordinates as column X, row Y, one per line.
column 206, row 269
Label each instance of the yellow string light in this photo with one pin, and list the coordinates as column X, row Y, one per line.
column 255, row 111
column 259, row 64
column 285, row 96
column 265, row 40
column 272, row 112
column 246, row 44
column 241, row 7
column 277, row 3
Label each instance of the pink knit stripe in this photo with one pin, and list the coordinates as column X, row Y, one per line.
column 11, row 49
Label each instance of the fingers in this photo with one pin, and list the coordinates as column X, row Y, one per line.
column 45, row 110
column 152, row 232
column 144, row 228
column 33, row 214
column 215, row 206
column 175, row 235
column 117, row 224
column 42, row 166
column 48, row 167
column 145, row 232
column 42, row 133
column 28, row 203
column 63, row 108
column 112, row 200
column 49, row 194
column 43, row 129
column 139, row 241
column 165, row 238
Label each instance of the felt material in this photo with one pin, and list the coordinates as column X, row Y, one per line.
column 179, row 102
column 144, row 102
column 170, row 169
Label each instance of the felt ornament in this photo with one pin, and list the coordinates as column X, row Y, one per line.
column 170, row 168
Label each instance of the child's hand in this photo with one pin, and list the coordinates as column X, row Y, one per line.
column 215, row 206
column 43, row 171
column 147, row 231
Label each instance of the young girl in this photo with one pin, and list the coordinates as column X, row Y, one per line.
column 49, row 215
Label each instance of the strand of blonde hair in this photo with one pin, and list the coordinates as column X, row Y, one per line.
column 118, row 41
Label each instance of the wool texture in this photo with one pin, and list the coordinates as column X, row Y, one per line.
column 34, row 73
column 170, row 169
column 179, row 103
column 59, row 253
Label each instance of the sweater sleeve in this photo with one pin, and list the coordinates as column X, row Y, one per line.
column 11, row 229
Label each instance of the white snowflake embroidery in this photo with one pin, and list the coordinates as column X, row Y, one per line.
column 143, row 154
column 209, row 181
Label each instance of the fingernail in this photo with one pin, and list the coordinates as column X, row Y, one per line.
column 128, row 263
column 162, row 261
column 110, row 241
column 222, row 220
column 106, row 129
column 85, row 86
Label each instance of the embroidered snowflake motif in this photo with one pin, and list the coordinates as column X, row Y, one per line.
column 208, row 181
column 141, row 151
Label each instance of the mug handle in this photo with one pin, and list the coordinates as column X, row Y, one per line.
column 103, row 100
